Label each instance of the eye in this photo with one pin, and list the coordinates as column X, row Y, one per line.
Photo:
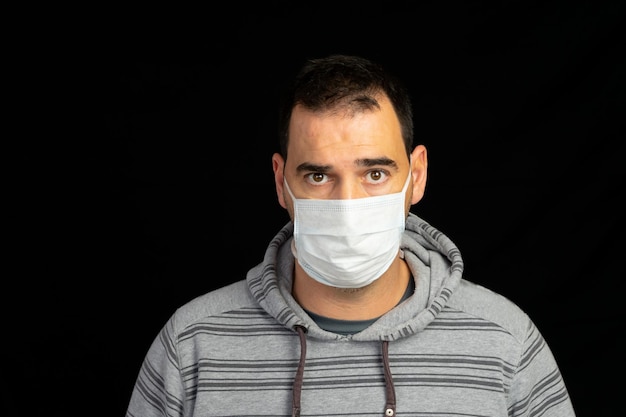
column 316, row 178
column 377, row 176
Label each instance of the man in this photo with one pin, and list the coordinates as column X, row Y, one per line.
column 359, row 306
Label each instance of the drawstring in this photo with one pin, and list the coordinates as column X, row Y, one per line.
column 390, row 393
column 390, row 407
column 297, row 383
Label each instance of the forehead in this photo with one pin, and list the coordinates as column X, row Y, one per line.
column 342, row 136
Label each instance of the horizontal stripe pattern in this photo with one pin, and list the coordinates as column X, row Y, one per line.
column 243, row 353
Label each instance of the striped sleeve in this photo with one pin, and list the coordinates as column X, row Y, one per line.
column 538, row 388
column 158, row 391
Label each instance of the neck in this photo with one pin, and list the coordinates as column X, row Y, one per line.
column 364, row 303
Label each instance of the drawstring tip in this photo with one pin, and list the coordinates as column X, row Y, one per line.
column 389, row 412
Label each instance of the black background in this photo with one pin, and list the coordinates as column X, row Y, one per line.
column 168, row 191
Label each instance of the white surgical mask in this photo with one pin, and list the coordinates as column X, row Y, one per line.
column 348, row 243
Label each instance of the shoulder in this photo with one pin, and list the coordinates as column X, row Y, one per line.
column 235, row 296
column 484, row 303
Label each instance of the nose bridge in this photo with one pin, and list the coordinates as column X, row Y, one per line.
column 348, row 187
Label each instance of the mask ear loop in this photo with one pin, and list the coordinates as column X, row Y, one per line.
column 408, row 178
column 406, row 186
column 287, row 187
column 294, row 251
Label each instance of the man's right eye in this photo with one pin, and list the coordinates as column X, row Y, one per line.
column 317, row 178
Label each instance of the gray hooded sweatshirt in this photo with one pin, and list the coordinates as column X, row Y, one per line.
column 453, row 348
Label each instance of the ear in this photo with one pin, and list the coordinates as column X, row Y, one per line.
column 278, row 163
column 419, row 168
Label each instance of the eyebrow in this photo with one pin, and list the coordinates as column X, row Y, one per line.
column 363, row 162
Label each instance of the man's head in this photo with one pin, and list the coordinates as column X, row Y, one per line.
column 347, row 174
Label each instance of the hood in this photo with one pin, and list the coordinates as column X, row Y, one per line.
column 434, row 260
